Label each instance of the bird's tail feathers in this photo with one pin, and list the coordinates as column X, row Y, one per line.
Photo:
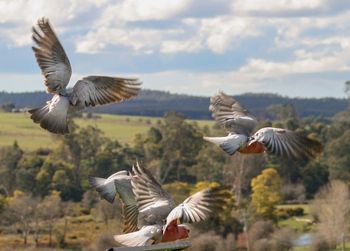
column 51, row 118
column 133, row 239
column 226, row 143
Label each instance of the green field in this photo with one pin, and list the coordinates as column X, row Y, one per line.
column 82, row 231
column 301, row 223
column 347, row 248
column 19, row 127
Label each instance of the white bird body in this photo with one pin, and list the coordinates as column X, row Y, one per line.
column 58, row 103
column 155, row 213
column 230, row 143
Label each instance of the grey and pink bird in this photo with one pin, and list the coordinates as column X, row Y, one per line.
column 150, row 214
column 239, row 124
column 88, row 91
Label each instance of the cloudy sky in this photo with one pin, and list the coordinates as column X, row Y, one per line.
column 289, row 47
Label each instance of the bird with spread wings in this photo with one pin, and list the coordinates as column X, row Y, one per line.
column 88, row 91
column 150, row 213
column 239, row 124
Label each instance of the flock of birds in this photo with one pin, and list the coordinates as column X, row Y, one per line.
column 150, row 213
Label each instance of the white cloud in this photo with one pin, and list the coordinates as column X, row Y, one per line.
column 238, row 82
column 295, row 31
column 175, row 46
column 20, row 15
column 276, row 6
column 114, row 29
column 140, row 40
column 301, row 37
column 140, row 10
column 217, row 34
column 222, row 32
column 28, row 11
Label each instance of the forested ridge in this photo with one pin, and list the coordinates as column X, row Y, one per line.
column 157, row 103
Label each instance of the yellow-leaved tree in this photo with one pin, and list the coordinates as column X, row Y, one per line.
column 266, row 193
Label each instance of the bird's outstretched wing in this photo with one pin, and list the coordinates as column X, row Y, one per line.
column 119, row 182
column 286, row 143
column 231, row 115
column 154, row 203
column 100, row 90
column 199, row 206
column 51, row 57
column 130, row 207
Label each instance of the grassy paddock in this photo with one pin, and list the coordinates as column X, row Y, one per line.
column 300, row 223
column 347, row 248
column 18, row 126
column 82, row 231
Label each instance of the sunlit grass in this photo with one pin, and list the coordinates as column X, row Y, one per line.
column 299, row 223
column 19, row 127
column 307, row 248
column 82, row 231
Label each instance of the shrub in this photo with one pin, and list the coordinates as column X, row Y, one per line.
column 293, row 193
column 260, row 230
column 319, row 244
column 228, row 244
column 285, row 213
column 283, row 239
column 104, row 242
column 262, row 245
column 206, row 242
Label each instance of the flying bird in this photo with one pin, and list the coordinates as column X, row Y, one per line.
column 154, row 216
column 239, row 124
column 158, row 217
column 88, row 91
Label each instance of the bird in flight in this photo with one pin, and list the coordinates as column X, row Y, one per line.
column 150, row 213
column 88, row 91
column 239, row 124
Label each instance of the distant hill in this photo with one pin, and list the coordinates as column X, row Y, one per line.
column 157, row 103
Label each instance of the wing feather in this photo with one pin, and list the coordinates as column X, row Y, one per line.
column 286, row 143
column 230, row 115
column 153, row 202
column 51, row 57
column 199, row 206
column 147, row 189
column 100, row 90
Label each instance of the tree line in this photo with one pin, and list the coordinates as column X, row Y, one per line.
column 175, row 153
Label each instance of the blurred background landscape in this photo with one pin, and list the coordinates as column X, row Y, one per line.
column 284, row 60
column 46, row 202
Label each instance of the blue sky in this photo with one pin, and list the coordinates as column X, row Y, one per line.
column 290, row 47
